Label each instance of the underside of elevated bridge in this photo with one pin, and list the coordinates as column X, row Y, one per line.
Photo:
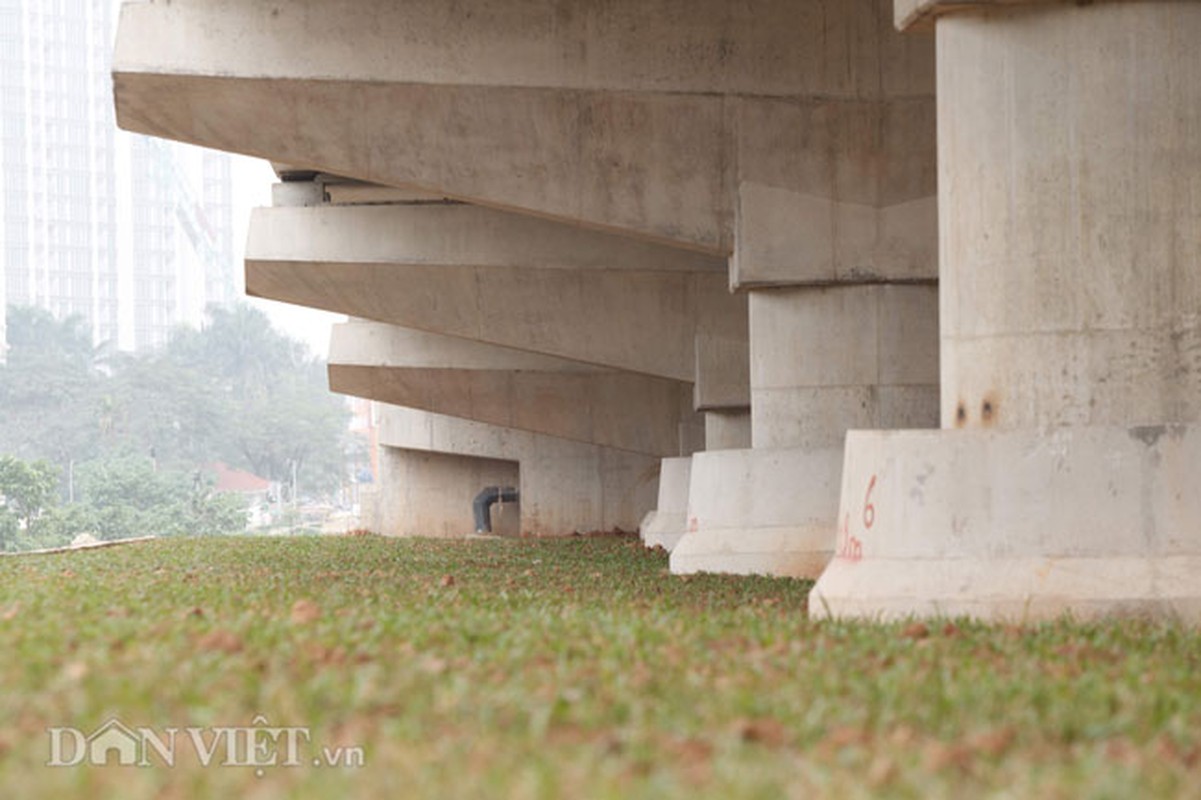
column 906, row 300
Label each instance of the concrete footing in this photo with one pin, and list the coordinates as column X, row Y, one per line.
column 1017, row 525
column 664, row 526
column 760, row 512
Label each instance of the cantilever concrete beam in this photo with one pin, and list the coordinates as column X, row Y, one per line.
column 502, row 279
column 613, row 115
column 513, row 389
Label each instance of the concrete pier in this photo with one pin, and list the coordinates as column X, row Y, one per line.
column 1069, row 197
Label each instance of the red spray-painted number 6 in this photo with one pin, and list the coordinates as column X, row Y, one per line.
column 869, row 510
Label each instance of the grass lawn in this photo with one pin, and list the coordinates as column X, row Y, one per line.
column 571, row 668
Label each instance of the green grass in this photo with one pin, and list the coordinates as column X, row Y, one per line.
column 572, row 668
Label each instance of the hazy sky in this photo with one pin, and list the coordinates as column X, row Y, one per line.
column 252, row 187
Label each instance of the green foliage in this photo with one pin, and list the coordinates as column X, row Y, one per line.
column 26, row 490
column 128, row 497
column 236, row 392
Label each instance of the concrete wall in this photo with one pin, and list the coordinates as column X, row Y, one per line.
column 565, row 486
column 425, row 493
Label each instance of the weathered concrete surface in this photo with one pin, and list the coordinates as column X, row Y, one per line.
column 764, row 512
column 1017, row 524
column 1071, row 239
column 723, row 368
column 664, row 526
column 565, row 486
column 500, row 278
column 510, row 388
column 728, row 430
column 422, row 493
column 1071, row 230
column 825, row 360
column 621, row 116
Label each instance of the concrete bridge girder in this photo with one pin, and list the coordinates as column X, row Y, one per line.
column 590, row 124
column 514, row 389
column 591, row 303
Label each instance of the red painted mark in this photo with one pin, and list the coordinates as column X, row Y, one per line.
column 869, row 510
column 849, row 547
column 693, row 525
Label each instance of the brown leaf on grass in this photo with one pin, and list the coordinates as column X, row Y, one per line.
column 75, row 671
column 305, row 611
column 11, row 612
column 951, row 630
column 329, row 656
column 916, row 630
column 993, row 743
column 435, row 666
column 882, row 771
column 196, row 612
column 68, row 573
column 846, row 736
column 939, row 756
column 221, row 641
column 763, row 730
column 447, row 581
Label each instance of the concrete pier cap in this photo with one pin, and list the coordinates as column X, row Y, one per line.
column 1070, row 283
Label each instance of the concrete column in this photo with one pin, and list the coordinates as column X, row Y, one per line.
column 727, row 430
column 1070, row 203
column 825, row 360
column 835, row 246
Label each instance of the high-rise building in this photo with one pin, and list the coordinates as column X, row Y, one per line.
column 132, row 233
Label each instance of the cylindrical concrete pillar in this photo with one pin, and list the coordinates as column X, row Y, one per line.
column 1070, row 214
column 1069, row 150
column 825, row 360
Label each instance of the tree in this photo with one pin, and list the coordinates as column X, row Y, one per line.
column 26, row 489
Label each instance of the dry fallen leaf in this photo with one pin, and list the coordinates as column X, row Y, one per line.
column 305, row 611
column 75, row 671
column 916, row 630
column 448, row 580
column 222, row 641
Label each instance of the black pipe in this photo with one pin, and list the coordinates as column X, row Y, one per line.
column 482, row 505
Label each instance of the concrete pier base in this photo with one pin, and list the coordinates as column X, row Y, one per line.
column 760, row 512
column 1017, row 525
column 664, row 526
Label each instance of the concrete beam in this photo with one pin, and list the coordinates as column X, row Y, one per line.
column 499, row 278
column 618, row 117
column 565, row 486
column 511, row 388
